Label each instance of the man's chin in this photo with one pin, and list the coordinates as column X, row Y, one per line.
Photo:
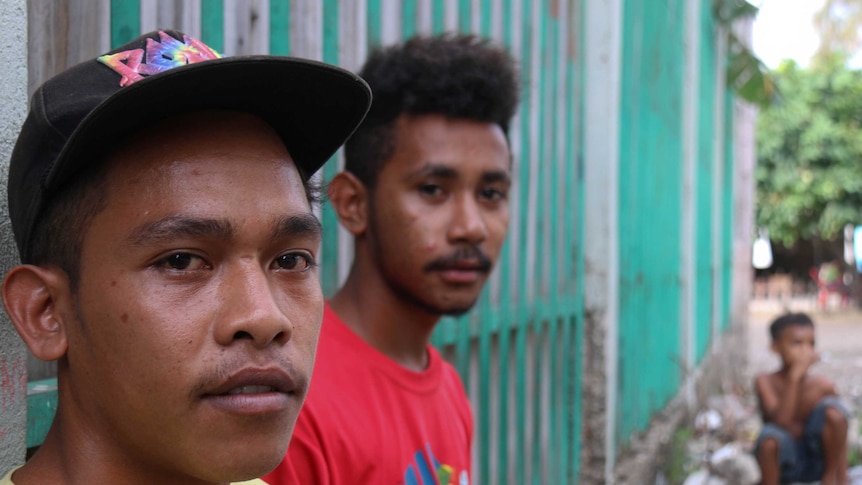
column 457, row 311
column 447, row 309
column 452, row 309
column 441, row 306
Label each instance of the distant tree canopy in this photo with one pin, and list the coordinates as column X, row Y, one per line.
column 839, row 22
column 809, row 152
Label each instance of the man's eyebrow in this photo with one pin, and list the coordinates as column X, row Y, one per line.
column 446, row 172
column 436, row 170
column 497, row 176
column 177, row 227
column 297, row 225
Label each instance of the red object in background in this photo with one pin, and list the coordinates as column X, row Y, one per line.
column 824, row 289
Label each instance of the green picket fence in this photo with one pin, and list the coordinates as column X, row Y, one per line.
column 650, row 212
column 653, row 362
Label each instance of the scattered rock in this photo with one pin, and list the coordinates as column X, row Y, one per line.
column 730, row 406
column 703, row 477
column 733, row 464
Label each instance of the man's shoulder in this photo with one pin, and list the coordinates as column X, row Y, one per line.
column 777, row 381
column 765, row 378
column 340, row 371
column 338, row 361
column 7, row 479
column 768, row 383
column 451, row 377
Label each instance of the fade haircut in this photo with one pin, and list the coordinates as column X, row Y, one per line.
column 59, row 233
column 455, row 75
column 788, row 320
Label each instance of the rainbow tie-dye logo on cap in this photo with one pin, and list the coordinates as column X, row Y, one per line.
column 162, row 55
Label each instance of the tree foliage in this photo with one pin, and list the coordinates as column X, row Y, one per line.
column 809, row 152
column 839, row 24
column 747, row 75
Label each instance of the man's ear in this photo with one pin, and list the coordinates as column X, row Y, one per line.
column 349, row 198
column 34, row 298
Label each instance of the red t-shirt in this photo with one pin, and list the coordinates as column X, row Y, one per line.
column 368, row 420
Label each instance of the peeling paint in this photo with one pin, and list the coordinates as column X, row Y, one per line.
column 13, row 381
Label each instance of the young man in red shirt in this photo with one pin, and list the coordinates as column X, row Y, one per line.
column 425, row 195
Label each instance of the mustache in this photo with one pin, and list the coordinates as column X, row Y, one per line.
column 215, row 376
column 471, row 254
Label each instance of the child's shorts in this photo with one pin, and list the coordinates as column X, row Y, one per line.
column 803, row 460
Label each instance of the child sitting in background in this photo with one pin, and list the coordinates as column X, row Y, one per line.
column 804, row 437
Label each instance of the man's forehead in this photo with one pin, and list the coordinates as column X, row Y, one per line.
column 424, row 125
column 202, row 131
column 199, row 159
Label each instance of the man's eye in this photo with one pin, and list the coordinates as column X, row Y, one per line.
column 430, row 189
column 182, row 262
column 294, row 262
column 493, row 194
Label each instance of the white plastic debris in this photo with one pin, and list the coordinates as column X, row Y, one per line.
column 703, row 477
column 709, row 420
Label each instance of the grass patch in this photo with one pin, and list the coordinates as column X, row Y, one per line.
column 854, row 457
column 677, row 467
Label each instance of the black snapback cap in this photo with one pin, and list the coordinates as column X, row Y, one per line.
column 80, row 112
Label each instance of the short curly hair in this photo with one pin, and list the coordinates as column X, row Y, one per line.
column 455, row 75
column 788, row 320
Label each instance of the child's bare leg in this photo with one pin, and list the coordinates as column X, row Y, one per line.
column 767, row 458
column 835, row 447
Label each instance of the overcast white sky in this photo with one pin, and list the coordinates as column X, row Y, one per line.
column 784, row 29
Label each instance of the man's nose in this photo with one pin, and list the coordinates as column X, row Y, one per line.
column 468, row 223
column 250, row 309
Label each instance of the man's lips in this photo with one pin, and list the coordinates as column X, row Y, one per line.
column 272, row 377
column 253, row 391
column 463, row 272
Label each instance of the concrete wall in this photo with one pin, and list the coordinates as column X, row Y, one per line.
column 13, row 96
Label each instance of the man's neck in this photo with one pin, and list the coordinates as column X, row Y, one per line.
column 70, row 457
column 398, row 328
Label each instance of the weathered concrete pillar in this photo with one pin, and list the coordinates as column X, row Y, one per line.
column 745, row 160
column 13, row 358
column 688, row 225
column 603, row 50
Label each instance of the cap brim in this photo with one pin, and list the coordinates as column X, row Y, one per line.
column 314, row 107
